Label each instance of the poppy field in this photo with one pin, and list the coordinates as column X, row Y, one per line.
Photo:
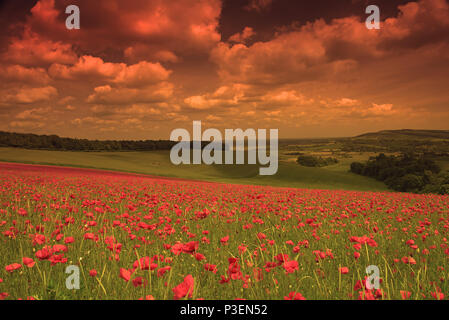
column 141, row 237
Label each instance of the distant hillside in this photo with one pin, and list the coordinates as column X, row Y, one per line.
column 386, row 140
column 430, row 142
column 406, row 134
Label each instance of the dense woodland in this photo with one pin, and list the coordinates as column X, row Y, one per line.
column 54, row 142
column 312, row 161
column 406, row 173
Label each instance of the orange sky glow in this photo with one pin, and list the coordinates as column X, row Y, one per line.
column 139, row 69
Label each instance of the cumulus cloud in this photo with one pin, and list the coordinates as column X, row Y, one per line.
column 318, row 48
column 258, row 5
column 141, row 74
column 342, row 102
column 283, row 59
column 21, row 74
column 286, row 98
column 85, row 67
column 186, row 25
column 112, row 95
column 225, row 96
column 33, row 114
column 88, row 67
column 33, row 50
column 142, row 51
column 243, row 36
column 30, row 95
column 29, row 125
column 381, row 109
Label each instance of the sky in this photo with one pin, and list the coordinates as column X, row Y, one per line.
column 140, row 69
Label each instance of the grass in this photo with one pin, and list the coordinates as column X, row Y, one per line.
column 300, row 223
column 158, row 163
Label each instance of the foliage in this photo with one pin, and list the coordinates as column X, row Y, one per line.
column 312, row 161
column 54, row 142
column 406, row 173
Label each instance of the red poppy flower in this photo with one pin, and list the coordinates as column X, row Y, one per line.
column 294, row 296
column 234, row 269
column 190, row 247
column 59, row 247
column 38, row 239
column 89, row 236
column 125, row 274
column 28, row 262
column 224, row 240
column 139, row 281
column 148, row 297
column 69, row 240
column 177, row 248
column 437, row 295
column 258, row 274
column 405, row 294
column 261, row 236
column 13, row 267
column 93, row 273
column 343, row 270
column 291, row 266
column 366, row 295
column 210, row 267
column 143, row 263
column 199, row 256
column 57, row 258
column 162, row 271
column 224, row 279
column 184, row 289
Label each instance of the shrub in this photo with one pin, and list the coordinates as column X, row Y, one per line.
column 312, row 161
column 357, row 167
column 407, row 173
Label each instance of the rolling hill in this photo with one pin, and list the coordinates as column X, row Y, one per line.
column 406, row 134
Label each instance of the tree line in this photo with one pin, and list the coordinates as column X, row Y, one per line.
column 54, row 142
column 312, row 161
column 406, row 173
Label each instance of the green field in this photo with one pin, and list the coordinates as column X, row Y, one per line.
column 290, row 174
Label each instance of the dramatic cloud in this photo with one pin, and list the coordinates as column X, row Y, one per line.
column 30, row 95
column 258, row 5
column 109, row 95
column 140, row 74
column 245, row 35
column 20, row 74
column 32, row 50
column 34, row 114
column 158, row 25
column 138, row 69
column 224, row 96
column 318, row 49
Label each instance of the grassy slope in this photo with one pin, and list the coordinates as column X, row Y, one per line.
column 158, row 163
column 407, row 134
